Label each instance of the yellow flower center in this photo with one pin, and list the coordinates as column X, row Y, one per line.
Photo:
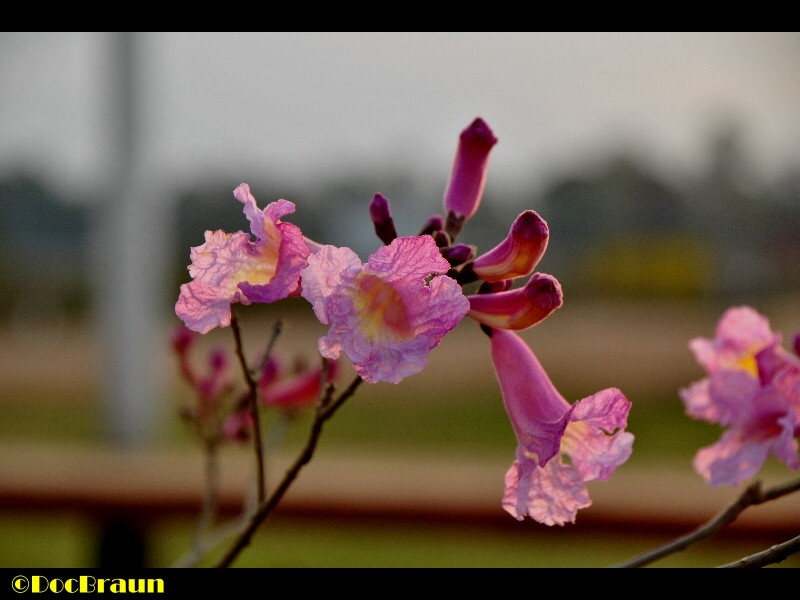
column 380, row 309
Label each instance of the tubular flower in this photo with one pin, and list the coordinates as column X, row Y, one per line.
column 519, row 308
column 560, row 446
column 518, row 254
column 753, row 387
column 386, row 315
column 468, row 176
column 230, row 267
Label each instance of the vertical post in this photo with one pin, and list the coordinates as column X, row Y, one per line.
column 128, row 256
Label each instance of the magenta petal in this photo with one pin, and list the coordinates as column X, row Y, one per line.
column 518, row 254
column 520, row 308
column 468, row 176
column 538, row 413
column 551, row 495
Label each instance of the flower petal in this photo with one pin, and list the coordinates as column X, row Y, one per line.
column 408, row 260
column 725, row 397
column 733, row 459
column 384, row 316
column 329, row 273
column 518, row 254
column 520, row 308
column 551, row 495
column 592, row 439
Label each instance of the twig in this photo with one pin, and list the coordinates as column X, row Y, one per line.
column 252, row 397
column 751, row 496
column 775, row 554
column 325, row 410
column 208, row 510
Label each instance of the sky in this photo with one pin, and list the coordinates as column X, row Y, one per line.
column 308, row 105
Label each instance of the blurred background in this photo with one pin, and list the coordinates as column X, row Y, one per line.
column 668, row 169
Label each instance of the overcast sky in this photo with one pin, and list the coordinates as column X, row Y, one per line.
column 248, row 105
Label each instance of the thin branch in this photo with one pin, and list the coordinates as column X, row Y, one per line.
column 325, row 410
column 208, row 510
column 751, row 496
column 770, row 556
column 252, row 397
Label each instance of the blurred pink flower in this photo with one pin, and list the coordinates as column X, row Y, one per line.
column 386, row 315
column 211, row 387
column 296, row 391
column 560, row 446
column 753, row 387
column 231, row 268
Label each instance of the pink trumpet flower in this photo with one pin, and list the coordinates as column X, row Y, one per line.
column 560, row 446
column 230, row 267
column 386, row 315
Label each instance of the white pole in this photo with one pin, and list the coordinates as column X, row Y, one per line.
column 129, row 258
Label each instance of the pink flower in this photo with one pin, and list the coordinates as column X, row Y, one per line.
column 518, row 254
column 231, row 268
column 519, row 308
column 753, row 387
column 209, row 388
column 468, row 176
column 560, row 446
column 386, row 315
column 297, row 391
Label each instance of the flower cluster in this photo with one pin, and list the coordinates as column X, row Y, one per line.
column 753, row 388
column 387, row 314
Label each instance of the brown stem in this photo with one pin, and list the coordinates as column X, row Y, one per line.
column 772, row 555
column 751, row 496
column 252, row 399
column 325, row 410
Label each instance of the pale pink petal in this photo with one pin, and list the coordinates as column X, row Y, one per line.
column 732, row 460
column 251, row 210
column 594, row 439
column 741, row 334
column 331, row 272
column 408, row 260
column 551, row 495
column 538, row 413
column 230, row 268
column 607, row 410
column 383, row 316
column 725, row 397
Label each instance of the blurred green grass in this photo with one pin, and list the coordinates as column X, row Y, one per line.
column 292, row 542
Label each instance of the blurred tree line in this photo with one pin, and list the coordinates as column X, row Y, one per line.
column 616, row 227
